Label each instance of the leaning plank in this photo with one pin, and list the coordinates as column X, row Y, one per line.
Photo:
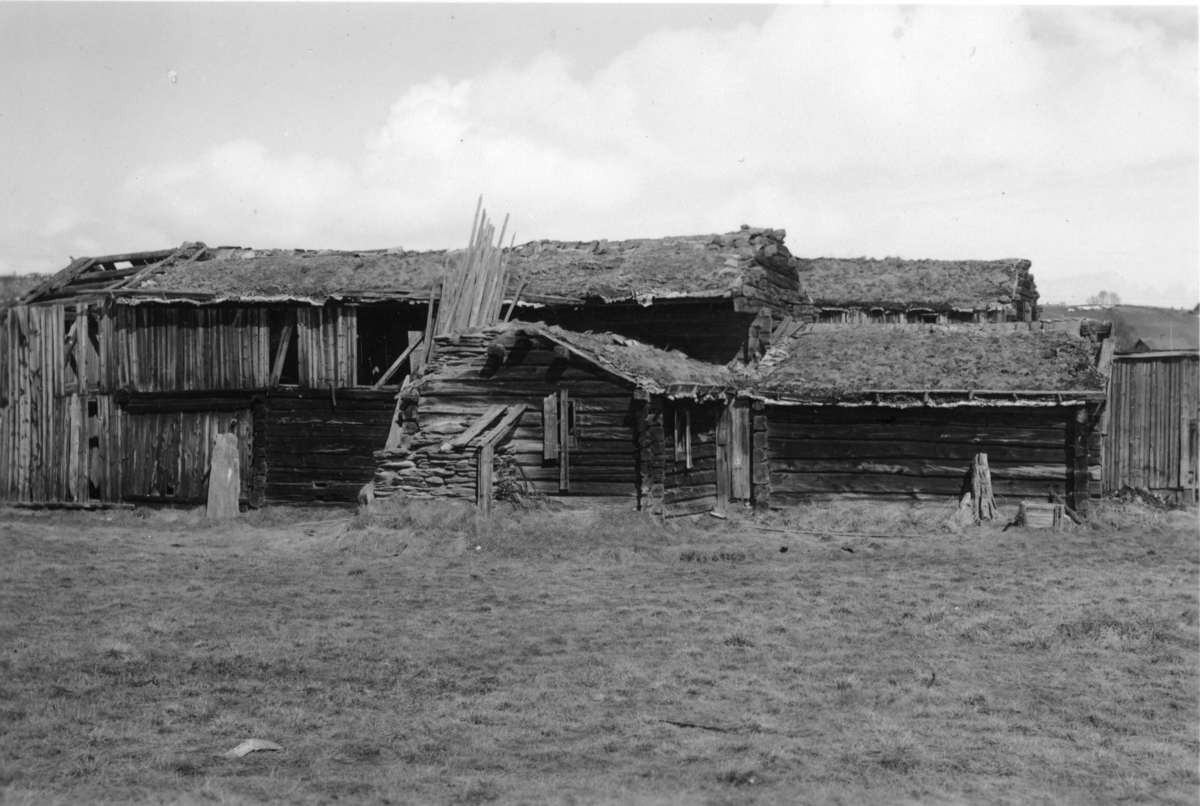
column 396, row 364
column 504, row 426
column 485, row 419
column 285, row 339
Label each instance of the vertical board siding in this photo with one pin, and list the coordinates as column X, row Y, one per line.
column 186, row 348
column 166, row 454
column 1154, row 404
column 48, row 428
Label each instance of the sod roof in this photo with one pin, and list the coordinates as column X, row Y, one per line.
column 279, row 273
column 832, row 362
column 700, row 265
column 892, row 283
column 692, row 265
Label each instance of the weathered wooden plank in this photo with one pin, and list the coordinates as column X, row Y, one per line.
column 834, row 449
column 476, row 428
column 917, row 467
column 1036, row 437
column 523, row 389
column 893, row 484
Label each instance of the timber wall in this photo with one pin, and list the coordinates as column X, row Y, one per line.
column 918, row 453
column 462, row 382
column 1151, row 424
column 690, row 457
column 318, row 447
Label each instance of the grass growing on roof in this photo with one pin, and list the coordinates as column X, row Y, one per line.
column 985, row 667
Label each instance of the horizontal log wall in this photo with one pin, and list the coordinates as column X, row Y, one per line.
column 316, row 447
column 815, row 453
column 462, row 383
column 687, row 491
column 1154, row 405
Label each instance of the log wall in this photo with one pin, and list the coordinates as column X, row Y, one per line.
column 462, row 382
column 690, row 490
column 314, row 446
column 1151, row 440
column 824, row 452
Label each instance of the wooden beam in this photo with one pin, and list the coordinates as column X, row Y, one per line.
column 396, row 364
column 485, row 419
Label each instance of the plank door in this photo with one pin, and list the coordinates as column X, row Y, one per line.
column 733, row 453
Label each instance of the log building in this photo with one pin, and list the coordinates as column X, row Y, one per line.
column 119, row 370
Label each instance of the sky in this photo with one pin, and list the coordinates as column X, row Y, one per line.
column 1068, row 135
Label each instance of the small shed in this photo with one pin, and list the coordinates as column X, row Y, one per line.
column 897, row 412
column 572, row 416
column 1150, row 427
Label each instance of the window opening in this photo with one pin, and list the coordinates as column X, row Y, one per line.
column 382, row 337
column 277, row 319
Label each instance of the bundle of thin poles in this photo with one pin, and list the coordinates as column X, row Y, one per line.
column 473, row 293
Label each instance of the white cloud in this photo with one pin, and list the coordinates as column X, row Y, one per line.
column 926, row 132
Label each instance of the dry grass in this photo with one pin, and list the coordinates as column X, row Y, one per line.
column 418, row 655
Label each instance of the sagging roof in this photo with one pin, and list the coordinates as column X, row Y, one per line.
column 833, row 363
column 896, row 284
column 545, row 272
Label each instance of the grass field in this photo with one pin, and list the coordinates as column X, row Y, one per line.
column 418, row 656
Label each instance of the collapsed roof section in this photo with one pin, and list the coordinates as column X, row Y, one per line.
column 657, row 371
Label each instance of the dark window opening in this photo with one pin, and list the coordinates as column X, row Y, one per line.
column 277, row 321
column 382, row 338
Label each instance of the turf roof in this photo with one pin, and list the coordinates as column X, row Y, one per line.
column 249, row 273
column 893, row 283
column 701, row 265
column 832, row 362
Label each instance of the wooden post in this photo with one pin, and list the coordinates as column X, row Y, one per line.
column 1079, row 476
column 724, row 477
column 483, row 479
column 224, row 478
column 564, row 441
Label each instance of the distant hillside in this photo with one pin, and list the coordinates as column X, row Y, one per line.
column 14, row 285
column 1138, row 328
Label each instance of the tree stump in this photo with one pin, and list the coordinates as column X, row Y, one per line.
column 981, row 490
